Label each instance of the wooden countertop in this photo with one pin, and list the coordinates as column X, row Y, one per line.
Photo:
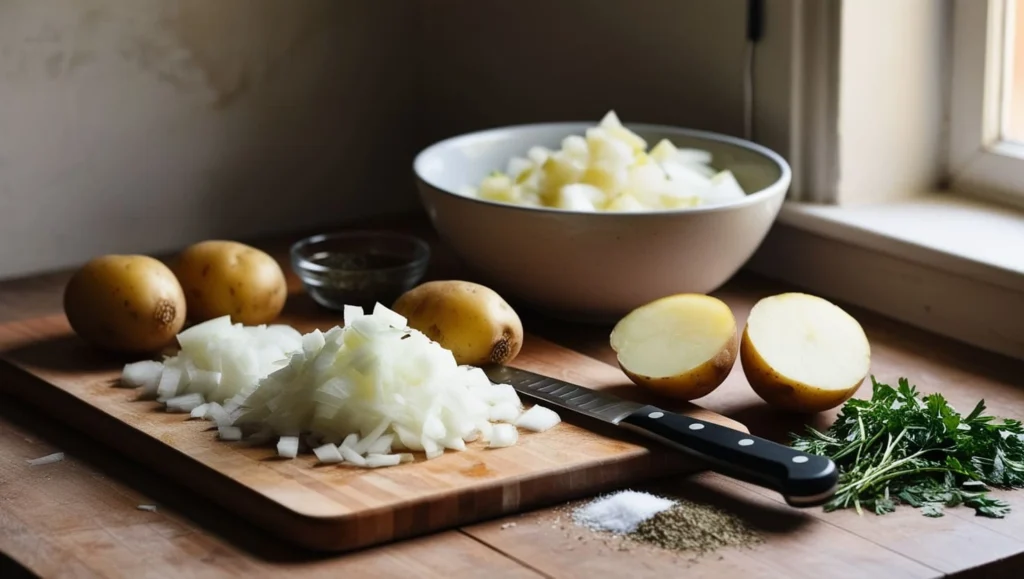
column 78, row 518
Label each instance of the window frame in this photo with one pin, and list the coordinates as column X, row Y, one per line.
column 980, row 162
column 853, row 243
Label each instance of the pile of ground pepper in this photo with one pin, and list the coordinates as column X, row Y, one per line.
column 695, row 527
column 673, row 524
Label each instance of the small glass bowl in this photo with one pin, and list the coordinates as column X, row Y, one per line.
column 359, row 268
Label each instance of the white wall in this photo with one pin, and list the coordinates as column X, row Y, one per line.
column 143, row 125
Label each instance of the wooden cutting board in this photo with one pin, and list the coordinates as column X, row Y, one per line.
column 338, row 508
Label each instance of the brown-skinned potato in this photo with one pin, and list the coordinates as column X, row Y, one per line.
column 223, row 278
column 471, row 320
column 125, row 303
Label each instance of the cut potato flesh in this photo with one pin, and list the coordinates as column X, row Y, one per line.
column 803, row 353
column 683, row 346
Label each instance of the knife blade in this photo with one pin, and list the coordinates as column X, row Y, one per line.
column 802, row 479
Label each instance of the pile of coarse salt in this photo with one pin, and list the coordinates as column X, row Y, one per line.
column 620, row 513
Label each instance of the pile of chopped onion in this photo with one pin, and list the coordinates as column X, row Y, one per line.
column 218, row 361
column 361, row 392
column 367, row 394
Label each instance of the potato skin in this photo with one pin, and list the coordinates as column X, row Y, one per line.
column 696, row 383
column 781, row 392
column 125, row 303
column 471, row 320
column 229, row 278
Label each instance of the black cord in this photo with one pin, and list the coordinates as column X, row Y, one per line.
column 755, row 20
column 755, row 29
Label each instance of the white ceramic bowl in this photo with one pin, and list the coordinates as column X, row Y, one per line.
column 596, row 267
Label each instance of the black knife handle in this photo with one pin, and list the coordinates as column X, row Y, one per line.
column 803, row 479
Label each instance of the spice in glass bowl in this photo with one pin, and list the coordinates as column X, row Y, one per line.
column 359, row 268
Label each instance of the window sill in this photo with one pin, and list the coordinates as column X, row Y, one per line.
column 947, row 264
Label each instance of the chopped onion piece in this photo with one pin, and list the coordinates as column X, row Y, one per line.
column 350, row 441
column 390, row 317
column 503, row 435
column 496, row 393
column 169, row 382
column 352, row 456
column 405, row 457
column 538, row 419
column 352, row 313
column 367, row 441
column 454, row 443
column 199, row 411
column 378, row 460
column 504, row 412
column 145, row 374
column 48, row 459
column 185, row 403
column 486, row 430
column 288, row 446
column 382, row 445
column 216, row 413
column 204, row 382
column 431, row 449
column 229, row 433
column 328, row 454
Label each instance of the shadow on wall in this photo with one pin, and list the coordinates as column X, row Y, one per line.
column 677, row 62
column 141, row 127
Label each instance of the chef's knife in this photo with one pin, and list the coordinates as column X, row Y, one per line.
column 803, row 479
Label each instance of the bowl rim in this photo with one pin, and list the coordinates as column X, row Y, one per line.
column 421, row 251
column 779, row 186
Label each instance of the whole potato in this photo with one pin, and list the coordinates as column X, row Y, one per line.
column 471, row 320
column 126, row 303
column 229, row 278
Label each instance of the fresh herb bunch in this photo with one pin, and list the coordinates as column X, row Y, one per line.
column 901, row 448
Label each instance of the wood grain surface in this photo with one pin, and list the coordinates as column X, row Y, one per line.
column 343, row 507
column 78, row 518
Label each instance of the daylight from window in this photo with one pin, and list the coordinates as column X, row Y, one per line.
column 1013, row 126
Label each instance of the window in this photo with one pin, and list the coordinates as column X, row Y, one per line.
column 986, row 147
column 1014, row 111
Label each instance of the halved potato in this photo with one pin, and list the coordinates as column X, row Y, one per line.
column 682, row 346
column 802, row 353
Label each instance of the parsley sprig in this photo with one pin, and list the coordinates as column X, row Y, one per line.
column 900, row 448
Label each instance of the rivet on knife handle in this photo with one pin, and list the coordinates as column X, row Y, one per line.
column 802, row 479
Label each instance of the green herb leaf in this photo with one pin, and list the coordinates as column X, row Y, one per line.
column 902, row 448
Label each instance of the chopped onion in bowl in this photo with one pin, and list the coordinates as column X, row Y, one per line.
column 609, row 169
